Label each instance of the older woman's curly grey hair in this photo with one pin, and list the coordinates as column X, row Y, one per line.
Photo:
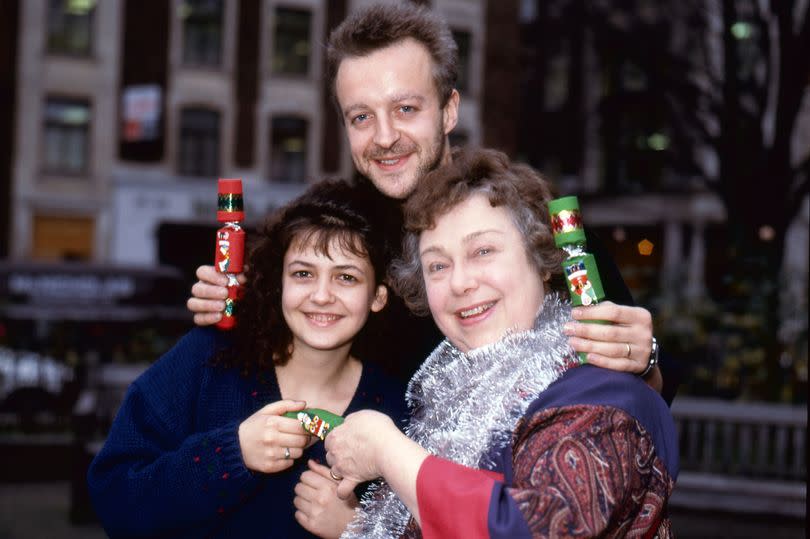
column 518, row 188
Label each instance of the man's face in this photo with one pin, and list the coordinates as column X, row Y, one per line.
column 396, row 126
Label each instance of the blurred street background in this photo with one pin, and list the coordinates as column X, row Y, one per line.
column 683, row 126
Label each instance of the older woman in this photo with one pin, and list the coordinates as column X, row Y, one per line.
column 509, row 436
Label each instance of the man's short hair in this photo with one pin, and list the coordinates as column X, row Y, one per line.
column 381, row 26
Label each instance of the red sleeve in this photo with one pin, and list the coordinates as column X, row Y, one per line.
column 454, row 500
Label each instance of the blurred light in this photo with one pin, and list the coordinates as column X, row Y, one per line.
column 528, row 11
column 741, row 30
column 80, row 7
column 658, row 142
column 67, row 113
column 184, row 10
column 645, row 247
column 294, row 145
column 619, row 234
column 767, row 233
column 301, row 48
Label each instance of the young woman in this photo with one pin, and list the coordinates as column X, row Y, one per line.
column 200, row 446
column 509, row 437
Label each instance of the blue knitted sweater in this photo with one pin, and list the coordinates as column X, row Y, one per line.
column 172, row 466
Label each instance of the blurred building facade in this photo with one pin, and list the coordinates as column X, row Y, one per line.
column 116, row 117
column 125, row 112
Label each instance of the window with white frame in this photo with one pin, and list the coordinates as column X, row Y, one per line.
column 70, row 27
column 198, row 148
column 291, row 41
column 288, row 149
column 203, row 23
column 67, row 133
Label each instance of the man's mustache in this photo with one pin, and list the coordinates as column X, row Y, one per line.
column 398, row 149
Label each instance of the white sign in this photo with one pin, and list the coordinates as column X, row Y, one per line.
column 140, row 108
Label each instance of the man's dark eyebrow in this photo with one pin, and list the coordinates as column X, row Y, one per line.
column 351, row 108
column 408, row 97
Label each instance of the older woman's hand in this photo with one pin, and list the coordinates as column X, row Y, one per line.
column 623, row 346
column 355, row 449
column 368, row 445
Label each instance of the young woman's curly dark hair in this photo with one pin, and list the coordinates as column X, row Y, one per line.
column 330, row 210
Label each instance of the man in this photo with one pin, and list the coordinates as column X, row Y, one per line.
column 392, row 70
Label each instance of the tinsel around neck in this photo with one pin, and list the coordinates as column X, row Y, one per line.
column 465, row 406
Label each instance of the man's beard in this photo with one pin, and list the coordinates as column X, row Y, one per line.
column 435, row 160
column 434, row 156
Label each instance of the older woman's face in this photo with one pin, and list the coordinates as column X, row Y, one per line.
column 478, row 277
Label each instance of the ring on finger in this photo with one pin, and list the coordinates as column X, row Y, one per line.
column 627, row 344
column 286, row 453
column 335, row 476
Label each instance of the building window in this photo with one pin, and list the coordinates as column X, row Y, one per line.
column 202, row 32
column 199, row 142
column 463, row 40
column 70, row 26
column 67, row 132
column 288, row 150
column 292, row 45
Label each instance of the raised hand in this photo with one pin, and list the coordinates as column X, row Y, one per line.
column 208, row 295
column 623, row 346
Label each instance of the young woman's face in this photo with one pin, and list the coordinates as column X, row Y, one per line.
column 327, row 299
column 479, row 280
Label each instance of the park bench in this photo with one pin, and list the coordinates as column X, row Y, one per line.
column 741, row 457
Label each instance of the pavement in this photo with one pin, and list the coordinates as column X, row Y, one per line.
column 41, row 510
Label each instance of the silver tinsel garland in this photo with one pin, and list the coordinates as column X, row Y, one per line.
column 465, row 406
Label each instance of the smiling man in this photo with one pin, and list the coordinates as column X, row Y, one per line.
column 392, row 71
column 396, row 121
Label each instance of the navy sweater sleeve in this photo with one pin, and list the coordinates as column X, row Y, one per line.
column 156, row 476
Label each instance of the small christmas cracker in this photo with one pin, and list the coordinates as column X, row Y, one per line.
column 316, row 421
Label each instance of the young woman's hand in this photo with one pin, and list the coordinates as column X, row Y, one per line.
column 208, row 295
column 271, row 442
column 318, row 509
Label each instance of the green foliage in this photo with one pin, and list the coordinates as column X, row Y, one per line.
column 729, row 345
